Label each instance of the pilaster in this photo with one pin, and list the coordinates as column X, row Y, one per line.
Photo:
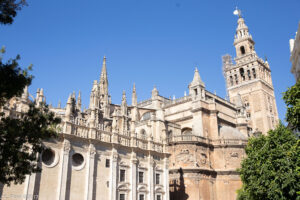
column 113, row 174
column 62, row 184
column 134, row 162
column 166, row 178
column 90, row 172
column 30, row 185
column 151, row 165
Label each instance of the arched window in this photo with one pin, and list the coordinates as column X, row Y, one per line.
column 249, row 74
column 231, row 81
column 143, row 134
column 236, row 79
column 254, row 73
column 146, row 116
column 186, row 131
column 242, row 73
column 243, row 51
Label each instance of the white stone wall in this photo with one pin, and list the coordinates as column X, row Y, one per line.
column 63, row 179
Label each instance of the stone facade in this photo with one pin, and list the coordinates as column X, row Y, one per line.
column 104, row 152
column 249, row 82
column 157, row 149
column 295, row 54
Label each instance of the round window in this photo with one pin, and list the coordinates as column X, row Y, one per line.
column 77, row 159
column 48, row 156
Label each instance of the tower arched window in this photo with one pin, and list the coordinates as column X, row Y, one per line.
column 254, row 73
column 249, row 75
column 243, row 51
column 242, row 73
column 236, row 79
column 231, row 81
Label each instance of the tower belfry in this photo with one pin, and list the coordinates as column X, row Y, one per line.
column 250, row 77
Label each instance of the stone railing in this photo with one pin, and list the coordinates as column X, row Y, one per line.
column 179, row 100
column 108, row 137
column 103, row 136
column 142, row 143
column 124, row 140
column 145, row 103
column 195, row 138
column 229, row 141
column 188, row 138
column 156, row 146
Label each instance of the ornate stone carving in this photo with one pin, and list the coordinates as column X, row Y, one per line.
column 203, row 158
column 67, row 146
column 92, row 150
column 234, row 154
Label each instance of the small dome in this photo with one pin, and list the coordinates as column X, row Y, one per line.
column 227, row 132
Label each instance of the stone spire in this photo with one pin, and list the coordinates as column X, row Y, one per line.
column 25, row 94
column 197, row 79
column 197, row 86
column 124, row 104
column 69, row 108
column 154, row 92
column 134, row 96
column 103, row 79
column 243, row 41
column 78, row 103
column 59, row 104
column 40, row 97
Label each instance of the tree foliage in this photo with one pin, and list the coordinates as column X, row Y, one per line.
column 8, row 10
column 292, row 100
column 271, row 169
column 13, row 78
column 21, row 139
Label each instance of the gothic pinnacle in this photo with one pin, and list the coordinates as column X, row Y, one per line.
column 103, row 75
column 197, row 79
column 134, row 96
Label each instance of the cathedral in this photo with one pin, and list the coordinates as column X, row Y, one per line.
column 160, row 149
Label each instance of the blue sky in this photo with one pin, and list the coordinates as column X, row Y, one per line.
column 149, row 42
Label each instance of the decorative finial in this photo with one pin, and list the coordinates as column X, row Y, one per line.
column 237, row 12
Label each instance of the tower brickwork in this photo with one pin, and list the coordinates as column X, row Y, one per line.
column 250, row 77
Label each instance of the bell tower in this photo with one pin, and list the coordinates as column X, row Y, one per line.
column 250, row 78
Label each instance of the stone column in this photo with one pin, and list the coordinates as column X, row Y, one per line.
column 62, row 182
column 90, row 168
column 134, row 172
column 30, row 185
column 166, row 178
column 113, row 174
column 151, row 165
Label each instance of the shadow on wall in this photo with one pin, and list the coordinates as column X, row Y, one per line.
column 177, row 190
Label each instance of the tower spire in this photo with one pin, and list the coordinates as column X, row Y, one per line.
column 78, row 103
column 134, row 96
column 103, row 78
column 243, row 41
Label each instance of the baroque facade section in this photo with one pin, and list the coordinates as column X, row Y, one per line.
column 295, row 54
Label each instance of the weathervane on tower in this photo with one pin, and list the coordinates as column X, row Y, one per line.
column 237, row 12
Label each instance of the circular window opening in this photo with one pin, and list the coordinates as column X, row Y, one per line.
column 77, row 159
column 48, row 156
